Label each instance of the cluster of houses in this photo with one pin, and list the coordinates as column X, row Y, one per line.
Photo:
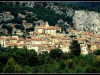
column 45, row 37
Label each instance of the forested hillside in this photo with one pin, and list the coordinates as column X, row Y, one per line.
column 40, row 12
column 56, row 13
column 14, row 60
column 90, row 5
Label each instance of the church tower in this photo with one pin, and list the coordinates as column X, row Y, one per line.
column 47, row 25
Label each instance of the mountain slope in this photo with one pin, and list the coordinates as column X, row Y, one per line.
column 63, row 14
column 92, row 5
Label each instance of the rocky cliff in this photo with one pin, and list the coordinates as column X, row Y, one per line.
column 87, row 21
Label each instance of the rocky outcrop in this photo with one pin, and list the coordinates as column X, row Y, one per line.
column 69, row 12
column 87, row 21
column 40, row 22
column 28, row 3
column 6, row 16
column 61, row 10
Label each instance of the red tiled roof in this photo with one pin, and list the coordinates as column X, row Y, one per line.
column 38, row 45
column 20, row 45
column 80, row 39
column 11, row 44
column 13, row 38
column 36, row 39
column 49, row 28
column 90, row 44
column 93, row 49
column 67, row 45
column 56, row 27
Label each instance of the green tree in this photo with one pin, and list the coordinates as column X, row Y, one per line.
column 9, row 28
column 46, row 58
column 30, row 29
column 4, row 26
column 72, row 36
column 70, row 5
column 37, row 69
column 97, row 52
column 79, row 69
column 91, row 69
column 17, row 3
column 67, row 56
column 3, row 58
column 19, row 27
column 32, row 58
column 17, row 69
column 56, row 53
column 26, row 69
column 75, row 48
column 44, row 4
column 11, row 67
column 23, row 12
column 15, row 13
column 48, row 68
column 58, row 31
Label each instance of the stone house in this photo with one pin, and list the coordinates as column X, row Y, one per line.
column 13, row 40
column 19, row 33
column 91, row 47
column 20, row 45
column 84, row 50
column 81, row 41
column 46, row 29
column 65, row 48
column 15, row 36
column 36, row 41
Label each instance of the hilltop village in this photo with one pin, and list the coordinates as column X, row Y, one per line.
column 45, row 37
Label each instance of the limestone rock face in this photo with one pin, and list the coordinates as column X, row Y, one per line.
column 40, row 22
column 69, row 12
column 6, row 16
column 86, row 21
column 27, row 3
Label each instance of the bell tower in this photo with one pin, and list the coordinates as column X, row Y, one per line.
column 47, row 25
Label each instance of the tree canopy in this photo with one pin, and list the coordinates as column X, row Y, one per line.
column 11, row 67
column 75, row 48
column 16, row 60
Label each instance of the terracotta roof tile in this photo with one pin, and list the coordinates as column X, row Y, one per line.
column 93, row 49
column 90, row 44
column 20, row 45
column 13, row 38
column 50, row 28
column 36, row 39
column 81, row 39
column 68, row 45
column 56, row 27
column 11, row 44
